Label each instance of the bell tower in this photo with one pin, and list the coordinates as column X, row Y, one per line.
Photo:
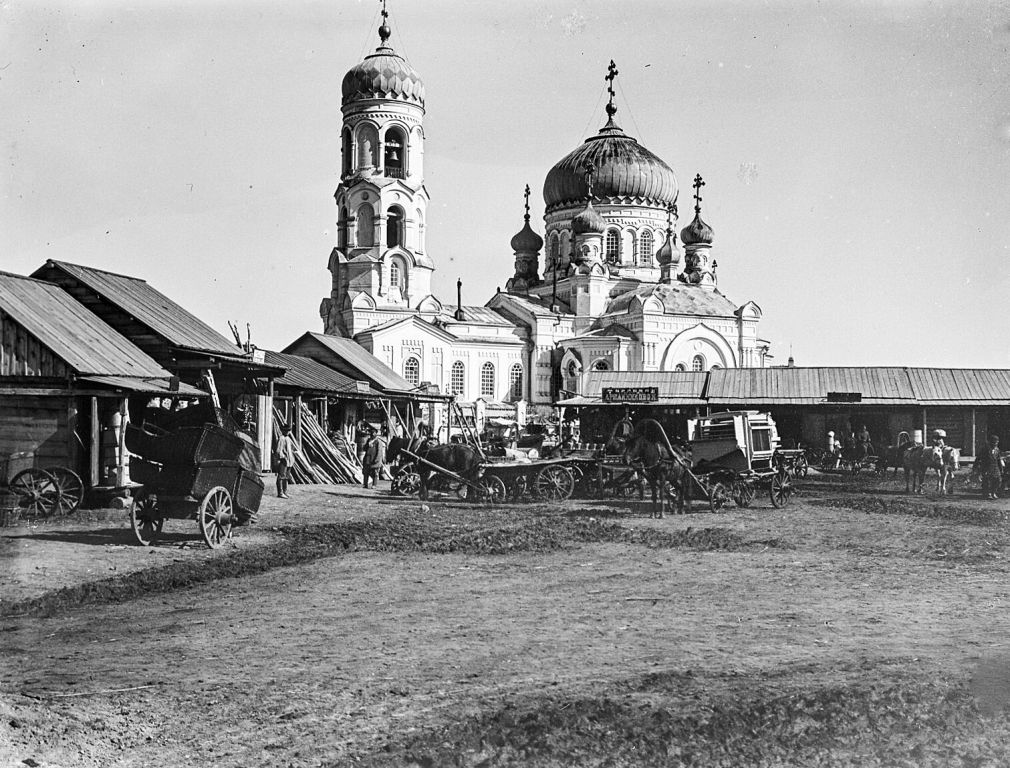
column 379, row 267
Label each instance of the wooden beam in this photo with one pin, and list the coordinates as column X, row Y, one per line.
column 96, row 445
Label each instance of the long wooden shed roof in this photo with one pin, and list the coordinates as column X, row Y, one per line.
column 84, row 341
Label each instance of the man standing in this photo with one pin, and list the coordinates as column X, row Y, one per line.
column 285, row 459
column 990, row 466
column 374, row 454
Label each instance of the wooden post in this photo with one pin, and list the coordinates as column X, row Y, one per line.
column 974, row 443
column 325, row 415
column 73, row 453
column 296, row 420
column 121, row 453
column 925, row 433
column 95, row 449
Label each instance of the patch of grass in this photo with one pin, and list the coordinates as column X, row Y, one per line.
column 484, row 533
column 891, row 717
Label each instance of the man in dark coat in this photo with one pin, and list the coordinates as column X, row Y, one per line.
column 375, row 452
column 990, row 467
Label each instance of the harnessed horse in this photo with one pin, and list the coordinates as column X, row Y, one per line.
column 660, row 464
column 943, row 458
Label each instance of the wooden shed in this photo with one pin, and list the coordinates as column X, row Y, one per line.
column 66, row 377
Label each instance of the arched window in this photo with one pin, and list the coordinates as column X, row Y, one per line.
column 645, row 248
column 613, row 246
column 698, row 363
column 680, row 367
column 394, row 158
column 601, row 365
column 412, row 370
column 366, row 226
column 555, row 250
column 487, row 380
column 457, row 378
column 716, row 366
column 345, row 151
column 516, row 381
column 368, row 145
column 394, row 226
column 633, row 245
column 342, row 228
column 395, row 274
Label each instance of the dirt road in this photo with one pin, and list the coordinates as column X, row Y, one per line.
column 842, row 630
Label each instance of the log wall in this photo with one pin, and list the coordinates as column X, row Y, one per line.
column 21, row 354
column 36, row 424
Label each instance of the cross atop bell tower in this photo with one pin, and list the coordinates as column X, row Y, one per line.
column 698, row 184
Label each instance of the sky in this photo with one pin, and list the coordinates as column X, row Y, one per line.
column 856, row 154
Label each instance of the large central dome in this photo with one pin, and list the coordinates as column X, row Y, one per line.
column 623, row 168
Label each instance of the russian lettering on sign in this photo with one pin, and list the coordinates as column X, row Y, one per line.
column 630, row 394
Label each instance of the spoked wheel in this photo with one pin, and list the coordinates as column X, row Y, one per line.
column 719, row 495
column 743, row 493
column 69, row 490
column 801, row 467
column 781, row 489
column 34, row 493
column 554, row 483
column 492, row 489
column 145, row 518
column 215, row 516
column 406, row 483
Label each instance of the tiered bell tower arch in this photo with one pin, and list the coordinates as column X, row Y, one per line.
column 380, row 265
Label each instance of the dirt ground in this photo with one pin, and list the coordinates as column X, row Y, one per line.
column 854, row 627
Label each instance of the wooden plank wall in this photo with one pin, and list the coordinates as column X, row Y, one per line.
column 35, row 424
column 21, row 354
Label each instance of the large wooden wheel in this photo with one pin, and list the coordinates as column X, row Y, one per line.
column 492, row 489
column 215, row 516
column 69, row 490
column 719, row 494
column 801, row 467
column 781, row 489
column 407, row 481
column 146, row 518
column 33, row 493
column 554, row 483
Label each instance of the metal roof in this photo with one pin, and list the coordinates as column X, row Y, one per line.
column 356, row 358
column 84, row 341
column 675, row 387
column 150, row 307
column 981, row 386
column 484, row 315
column 676, row 298
column 810, row 386
column 308, row 374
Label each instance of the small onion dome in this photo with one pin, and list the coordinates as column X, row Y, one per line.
column 588, row 221
column 383, row 75
column 697, row 232
column 526, row 240
column 623, row 169
column 668, row 253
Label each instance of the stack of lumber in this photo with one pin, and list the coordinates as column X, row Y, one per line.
column 320, row 460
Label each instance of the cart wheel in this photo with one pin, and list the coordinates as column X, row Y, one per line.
column 69, row 489
column 215, row 516
column 781, row 489
column 718, row 496
column 802, row 466
column 492, row 489
column 743, row 493
column 34, row 493
column 406, row 483
column 554, row 483
column 145, row 518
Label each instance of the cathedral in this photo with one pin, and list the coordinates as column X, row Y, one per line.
column 616, row 290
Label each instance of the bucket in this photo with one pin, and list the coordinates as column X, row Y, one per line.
column 917, row 436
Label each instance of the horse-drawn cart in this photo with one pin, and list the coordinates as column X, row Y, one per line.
column 736, row 454
column 207, row 473
column 33, row 492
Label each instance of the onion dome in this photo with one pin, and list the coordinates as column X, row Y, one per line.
column 526, row 240
column 697, row 232
column 588, row 221
column 669, row 253
column 624, row 169
column 384, row 74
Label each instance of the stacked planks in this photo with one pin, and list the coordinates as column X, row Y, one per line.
column 319, row 460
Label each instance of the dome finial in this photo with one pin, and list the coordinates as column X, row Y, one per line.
column 611, row 75
column 526, row 194
column 384, row 31
column 698, row 184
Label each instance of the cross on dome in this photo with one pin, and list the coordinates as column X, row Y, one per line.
column 698, row 184
column 527, row 195
column 611, row 75
column 384, row 30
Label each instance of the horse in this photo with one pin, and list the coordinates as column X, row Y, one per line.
column 660, row 468
column 455, row 457
column 943, row 458
column 894, row 456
